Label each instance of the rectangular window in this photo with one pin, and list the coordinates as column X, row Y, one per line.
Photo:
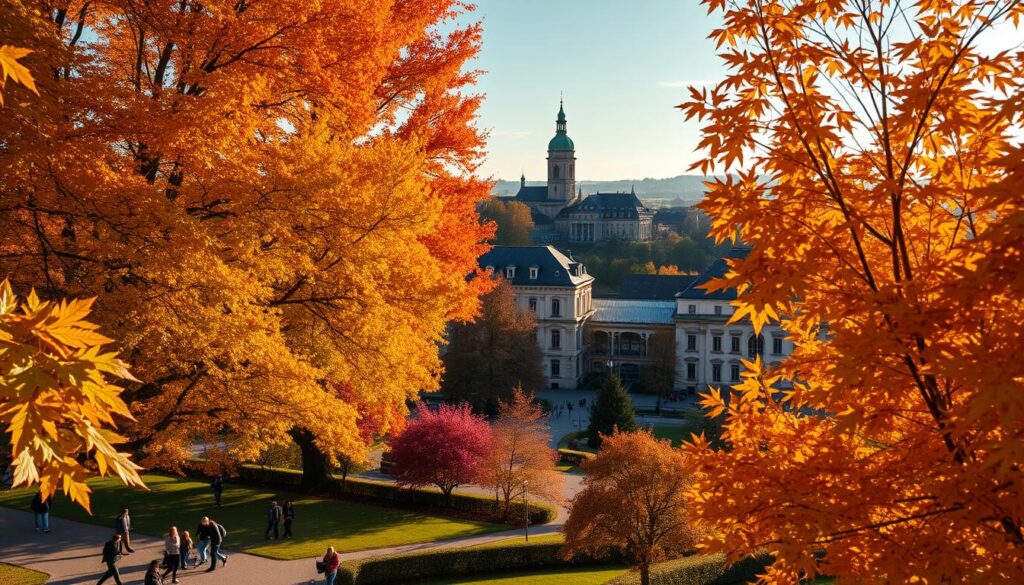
column 734, row 372
column 692, row 309
column 735, row 348
column 777, row 345
column 556, row 339
column 691, row 371
column 556, row 368
column 716, row 372
column 533, row 304
column 556, row 308
column 533, row 273
column 716, row 343
column 691, row 343
column 718, row 309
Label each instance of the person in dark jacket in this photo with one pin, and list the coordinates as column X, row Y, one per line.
column 289, row 517
column 153, row 576
column 123, row 525
column 41, row 508
column 216, row 532
column 203, row 534
column 218, row 488
column 111, row 554
column 274, row 514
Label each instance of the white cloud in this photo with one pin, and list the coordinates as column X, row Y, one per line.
column 510, row 134
column 687, row 82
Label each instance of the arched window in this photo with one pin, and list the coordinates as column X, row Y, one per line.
column 755, row 346
column 554, row 171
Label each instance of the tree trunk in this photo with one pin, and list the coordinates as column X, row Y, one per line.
column 645, row 574
column 315, row 472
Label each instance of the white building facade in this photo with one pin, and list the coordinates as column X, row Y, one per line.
column 559, row 292
column 579, row 335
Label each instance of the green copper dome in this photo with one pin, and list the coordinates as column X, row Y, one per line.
column 561, row 142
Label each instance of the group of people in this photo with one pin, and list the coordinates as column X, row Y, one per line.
column 558, row 409
column 275, row 514
column 179, row 550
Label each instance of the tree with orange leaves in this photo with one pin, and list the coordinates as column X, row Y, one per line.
column 271, row 201
column 520, row 460
column 866, row 152
column 632, row 502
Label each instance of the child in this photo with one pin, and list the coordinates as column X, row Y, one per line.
column 186, row 550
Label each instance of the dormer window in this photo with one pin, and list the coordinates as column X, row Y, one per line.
column 489, row 269
column 533, row 272
column 510, row 272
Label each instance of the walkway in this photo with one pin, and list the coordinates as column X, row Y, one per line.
column 70, row 554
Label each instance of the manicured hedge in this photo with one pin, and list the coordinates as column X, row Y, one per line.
column 700, row 570
column 571, row 456
column 379, row 490
column 415, row 568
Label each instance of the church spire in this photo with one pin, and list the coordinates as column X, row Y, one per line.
column 522, row 179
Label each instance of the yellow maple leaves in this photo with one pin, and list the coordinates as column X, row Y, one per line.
column 58, row 404
column 11, row 68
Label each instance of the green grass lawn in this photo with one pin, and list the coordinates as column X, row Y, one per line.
column 574, row 575
column 11, row 575
column 318, row 523
column 557, row 537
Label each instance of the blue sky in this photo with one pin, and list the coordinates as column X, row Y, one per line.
column 621, row 65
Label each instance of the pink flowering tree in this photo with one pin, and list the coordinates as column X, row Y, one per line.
column 442, row 448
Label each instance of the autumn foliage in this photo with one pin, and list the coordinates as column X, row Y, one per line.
column 58, row 403
column 632, row 503
column 274, row 203
column 520, row 458
column 442, row 447
column 875, row 172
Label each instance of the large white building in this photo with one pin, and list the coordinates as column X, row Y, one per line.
column 578, row 334
column 708, row 352
column 558, row 290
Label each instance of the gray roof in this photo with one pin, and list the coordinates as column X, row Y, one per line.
column 609, row 205
column 532, row 193
column 717, row 269
column 654, row 286
column 633, row 311
column 553, row 267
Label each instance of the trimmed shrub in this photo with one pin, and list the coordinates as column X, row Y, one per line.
column 415, row 568
column 571, row 456
column 388, row 492
column 700, row 570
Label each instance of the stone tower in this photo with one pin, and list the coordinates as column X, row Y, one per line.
column 561, row 162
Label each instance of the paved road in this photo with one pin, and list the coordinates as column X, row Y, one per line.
column 70, row 554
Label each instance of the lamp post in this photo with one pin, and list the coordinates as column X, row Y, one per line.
column 526, row 499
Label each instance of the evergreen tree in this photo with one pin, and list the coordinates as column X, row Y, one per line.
column 612, row 410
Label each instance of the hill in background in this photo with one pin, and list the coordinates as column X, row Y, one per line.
column 688, row 188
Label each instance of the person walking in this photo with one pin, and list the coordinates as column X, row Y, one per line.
column 218, row 488
column 123, row 525
column 203, row 534
column 172, row 552
column 153, row 576
column 41, row 507
column 186, row 549
column 289, row 517
column 331, row 562
column 111, row 554
column 217, row 534
column 273, row 520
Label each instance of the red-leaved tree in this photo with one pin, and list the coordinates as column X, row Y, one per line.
column 442, row 448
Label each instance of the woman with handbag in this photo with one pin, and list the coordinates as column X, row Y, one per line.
column 172, row 553
column 329, row 566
